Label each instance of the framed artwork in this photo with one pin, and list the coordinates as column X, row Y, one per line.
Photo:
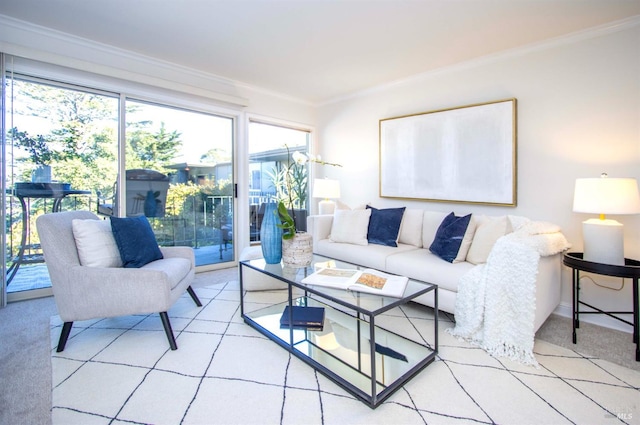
column 466, row 154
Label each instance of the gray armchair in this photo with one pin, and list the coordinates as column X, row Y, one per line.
column 84, row 293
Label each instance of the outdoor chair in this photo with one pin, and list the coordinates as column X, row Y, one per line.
column 85, row 292
column 146, row 194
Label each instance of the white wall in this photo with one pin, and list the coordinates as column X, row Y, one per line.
column 578, row 116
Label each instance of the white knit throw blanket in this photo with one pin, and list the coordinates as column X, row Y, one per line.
column 496, row 301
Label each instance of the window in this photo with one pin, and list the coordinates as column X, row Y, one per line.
column 270, row 147
column 177, row 166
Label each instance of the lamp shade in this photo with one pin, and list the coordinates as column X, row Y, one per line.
column 606, row 195
column 326, row 188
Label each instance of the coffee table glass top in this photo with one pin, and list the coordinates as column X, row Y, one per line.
column 353, row 347
column 359, row 301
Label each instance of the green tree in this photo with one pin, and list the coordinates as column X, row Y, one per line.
column 81, row 145
column 152, row 150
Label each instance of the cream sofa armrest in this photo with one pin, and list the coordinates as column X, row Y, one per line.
column 319, row 226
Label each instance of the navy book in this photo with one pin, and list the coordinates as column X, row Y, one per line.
column 304, row 316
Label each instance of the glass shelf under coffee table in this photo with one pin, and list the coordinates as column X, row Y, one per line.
column 351, row 348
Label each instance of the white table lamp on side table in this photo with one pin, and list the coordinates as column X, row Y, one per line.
column 603, row 238
column 327, row 189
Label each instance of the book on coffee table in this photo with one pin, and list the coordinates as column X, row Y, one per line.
column 303, row 317
column 369, row 280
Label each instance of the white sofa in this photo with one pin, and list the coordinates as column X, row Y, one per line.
column 412, row 258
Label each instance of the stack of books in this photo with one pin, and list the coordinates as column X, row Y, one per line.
column 303, row 317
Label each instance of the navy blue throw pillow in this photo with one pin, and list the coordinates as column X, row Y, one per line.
column 136, row 242
column 449, row 237
column 384, row 225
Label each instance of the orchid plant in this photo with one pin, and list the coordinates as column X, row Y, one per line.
column 291, row 183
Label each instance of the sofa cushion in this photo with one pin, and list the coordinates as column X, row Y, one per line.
column 430, row 222
column 411, row 227
column 384, row 226
column 372, row 255
column 350, row 226
column 448, row 239
column 342, row 206
column 488, row 231
column 95, row 243
column 466, row 241
column 422, row 265
column 136, row 241
column 515, row 222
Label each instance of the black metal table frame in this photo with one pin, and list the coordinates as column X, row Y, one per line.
column 631, row 270
column 373, row 400
column 57, row 195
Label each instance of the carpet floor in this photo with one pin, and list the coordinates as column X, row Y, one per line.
column 120, row 371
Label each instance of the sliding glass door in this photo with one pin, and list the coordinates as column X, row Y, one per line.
column 179, row 173
column 72, row 148
column 61, row 144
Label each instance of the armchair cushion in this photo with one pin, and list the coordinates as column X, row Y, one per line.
column 136, row 242
column 95, row 243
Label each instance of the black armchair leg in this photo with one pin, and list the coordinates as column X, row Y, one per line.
column 167, row 329
column 64, row 335
column 194, row 297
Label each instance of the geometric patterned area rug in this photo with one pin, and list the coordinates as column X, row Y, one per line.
column 121, row 371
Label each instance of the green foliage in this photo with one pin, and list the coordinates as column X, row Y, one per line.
column 37, row 147
column 177, row 197
column 290, row 182
column 288, row 224
column 152, row 150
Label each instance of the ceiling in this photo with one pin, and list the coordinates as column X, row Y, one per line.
column 318, row 50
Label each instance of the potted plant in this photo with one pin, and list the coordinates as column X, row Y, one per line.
column 291, row 184
column 39, row 153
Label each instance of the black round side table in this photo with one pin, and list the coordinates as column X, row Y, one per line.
column 631, row 270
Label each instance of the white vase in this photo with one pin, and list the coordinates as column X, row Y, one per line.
column 298, row 251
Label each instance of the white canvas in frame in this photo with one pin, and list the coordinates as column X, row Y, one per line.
column 465, row 154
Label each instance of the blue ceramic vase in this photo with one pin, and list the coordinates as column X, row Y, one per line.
column 271, row 234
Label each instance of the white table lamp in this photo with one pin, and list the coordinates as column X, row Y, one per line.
column 603, row 238
column 327, row 189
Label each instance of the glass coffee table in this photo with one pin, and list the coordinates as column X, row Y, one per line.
column 351, row 347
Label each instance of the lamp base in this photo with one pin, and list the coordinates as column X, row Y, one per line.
column 603, row 241
column 326, row 207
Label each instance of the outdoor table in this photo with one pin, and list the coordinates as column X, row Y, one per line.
column 26, row 191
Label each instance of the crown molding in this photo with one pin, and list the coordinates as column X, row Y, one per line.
column 39, row 43
column 162, row 78
column 575, row 37
column 165, row 66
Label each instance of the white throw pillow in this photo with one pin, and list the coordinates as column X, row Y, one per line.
column 488, row 231
column 350, row 226
column 411, row 228
column 95, row 243
column 342, row 206
column 516, row 222
column 467, row 240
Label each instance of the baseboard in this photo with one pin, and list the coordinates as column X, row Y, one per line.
column 566, row 309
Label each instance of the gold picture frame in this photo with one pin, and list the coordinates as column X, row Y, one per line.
column 466, row 154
